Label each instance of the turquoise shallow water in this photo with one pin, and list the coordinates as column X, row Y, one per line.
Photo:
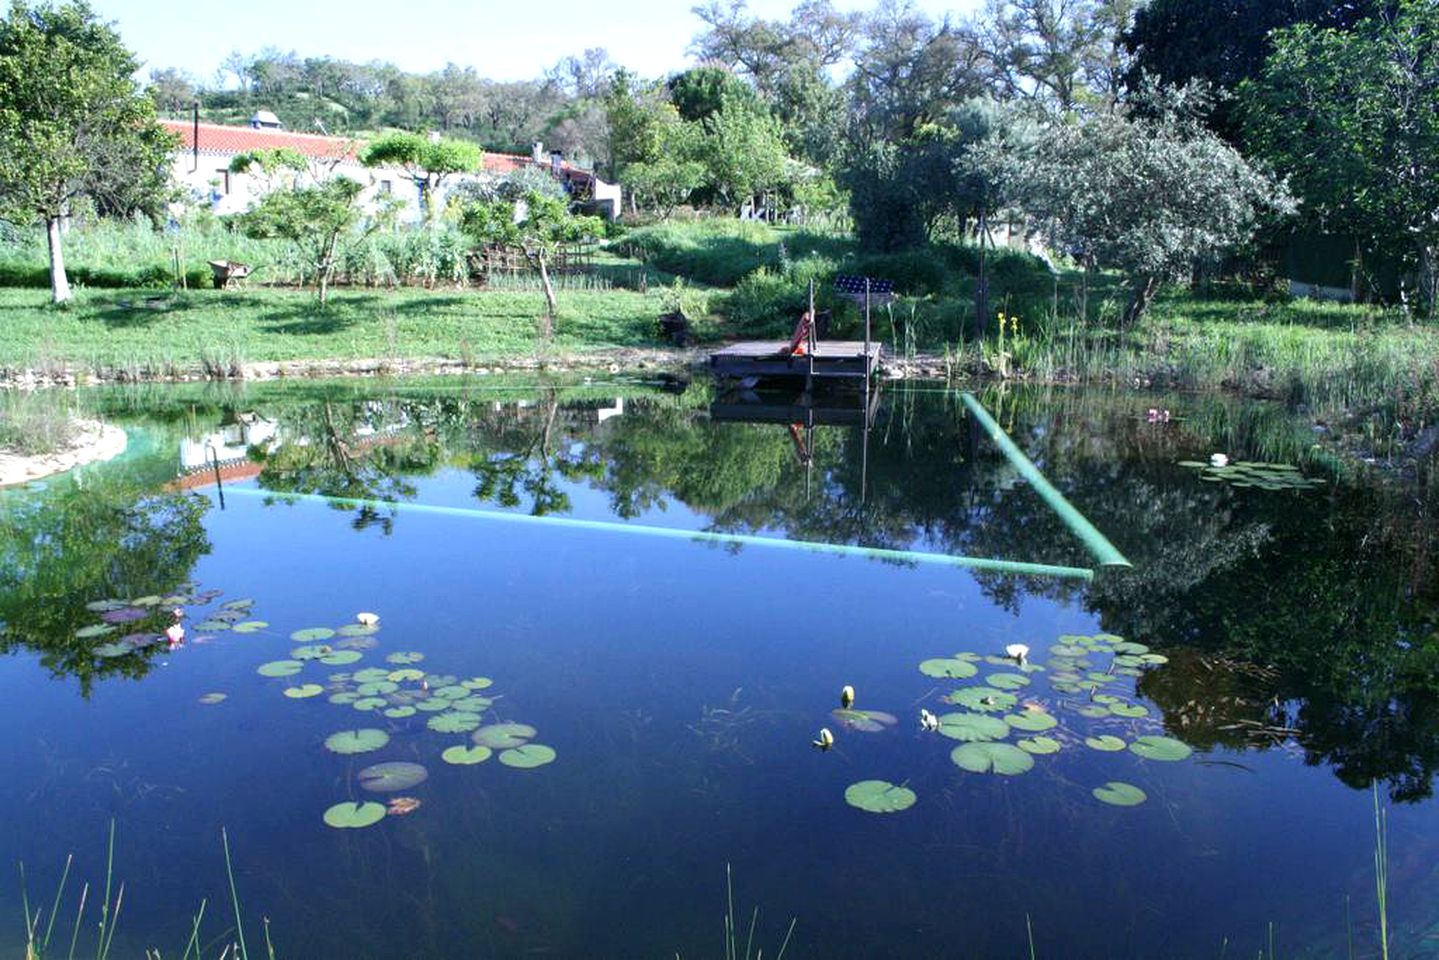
column 680, row 681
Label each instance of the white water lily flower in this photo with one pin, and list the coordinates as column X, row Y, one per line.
column 367, row 619
column 826, row 739
column 846, row 696
column 1218, row 460
column 1017, row 651
column 928, row 721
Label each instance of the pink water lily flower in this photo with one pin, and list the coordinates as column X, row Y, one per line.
column 175, row 634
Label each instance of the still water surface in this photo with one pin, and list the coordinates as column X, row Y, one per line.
column 680, row 683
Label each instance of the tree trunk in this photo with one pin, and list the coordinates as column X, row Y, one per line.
column 1140, row 300
column 547, row 322
column 59, row 283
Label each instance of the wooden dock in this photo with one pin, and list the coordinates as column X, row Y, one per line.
column 828, row 359
column 843, row 409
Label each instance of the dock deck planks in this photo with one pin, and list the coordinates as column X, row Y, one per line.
column 831, row 358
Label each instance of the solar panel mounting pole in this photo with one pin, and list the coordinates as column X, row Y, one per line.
column 809, row 335
column 866, row 339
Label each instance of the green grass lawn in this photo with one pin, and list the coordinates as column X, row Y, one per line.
column 149, row 331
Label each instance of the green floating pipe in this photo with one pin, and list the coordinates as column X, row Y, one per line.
column 673, row 533
column 1098, row 544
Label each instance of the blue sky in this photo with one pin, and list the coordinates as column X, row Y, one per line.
column 501, row 39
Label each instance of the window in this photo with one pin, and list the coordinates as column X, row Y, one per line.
column 386, row 187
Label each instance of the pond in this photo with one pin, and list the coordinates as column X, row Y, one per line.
column 611, row 620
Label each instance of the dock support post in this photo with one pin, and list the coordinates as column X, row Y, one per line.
column 1098, row 544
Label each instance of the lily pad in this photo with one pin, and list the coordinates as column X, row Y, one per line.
column 948, row 667
column 878, row 796
column 1031, row 721
column 358, row 630
column 1093, row 711
column 1001, row 758
column 472, row 704
column 344, row 697
column 356, row 741
column 501, row 736
column 94, row 630
column 1161, row 748
column 338, row 658
column 1038, row 745
column 212, row 626
column 452, row 692
column 312, row 634
column 240, row 603
column 355, row 815
column 528, row 757
column 370, row 703
column 100, row 606
column 432, row 705
column 391, row 776
column 124, row 615
column 371, row 674
column 377, row 688
column 1129, row 647
column 1131, row 710
column 210, row 699
column 280, row 668
column 312, row 652
column 405, row 656
column 1105, row 742
column 972, row 726
column 111, row 650
column 1007, row 681
column 864, row 721
column 1120, row 794
column 983, row 699
column 1067, row 650
column 249, row 626
column 477, row 683
column 152, row 600
column 400, row 712
column 404, row 675
column 304, row 691
column 453, row 721
column 462, row 755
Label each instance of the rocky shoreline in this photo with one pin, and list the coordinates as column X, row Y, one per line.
column 94, row 442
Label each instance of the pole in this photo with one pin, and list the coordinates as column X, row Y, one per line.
column 866, row 339
column 195, row 136
column 1098, row 544
column 809, row 380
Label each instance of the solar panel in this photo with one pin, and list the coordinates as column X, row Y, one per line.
column 880, row 291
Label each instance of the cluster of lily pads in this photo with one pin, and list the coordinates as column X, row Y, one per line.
column 131, row 627
column 1245, row 473
column 1089, row 677
column 404, row 693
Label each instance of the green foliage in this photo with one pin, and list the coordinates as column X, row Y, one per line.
column 73, row 123
column 427, row 162
column 1350, row 117
column 270, row 162
column 320, row 220
column 1147, row 195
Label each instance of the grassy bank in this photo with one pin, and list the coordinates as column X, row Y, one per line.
column 139, row 332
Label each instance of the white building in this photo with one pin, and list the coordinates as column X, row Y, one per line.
column 202, row 165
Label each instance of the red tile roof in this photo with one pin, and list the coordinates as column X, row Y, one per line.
column 218, row 139
column 215, row 138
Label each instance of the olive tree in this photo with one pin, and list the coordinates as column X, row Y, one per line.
column 1146, row 192
column 73, row 123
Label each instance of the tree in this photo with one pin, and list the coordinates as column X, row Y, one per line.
column 743, row 152
column 1350, row 116
column 318, row 217
column 1222, row 42
column 1145, row 193
column 425, row 161
column 537, row 226
column 172, row 90
column 1064, row 53
column 73, row 123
